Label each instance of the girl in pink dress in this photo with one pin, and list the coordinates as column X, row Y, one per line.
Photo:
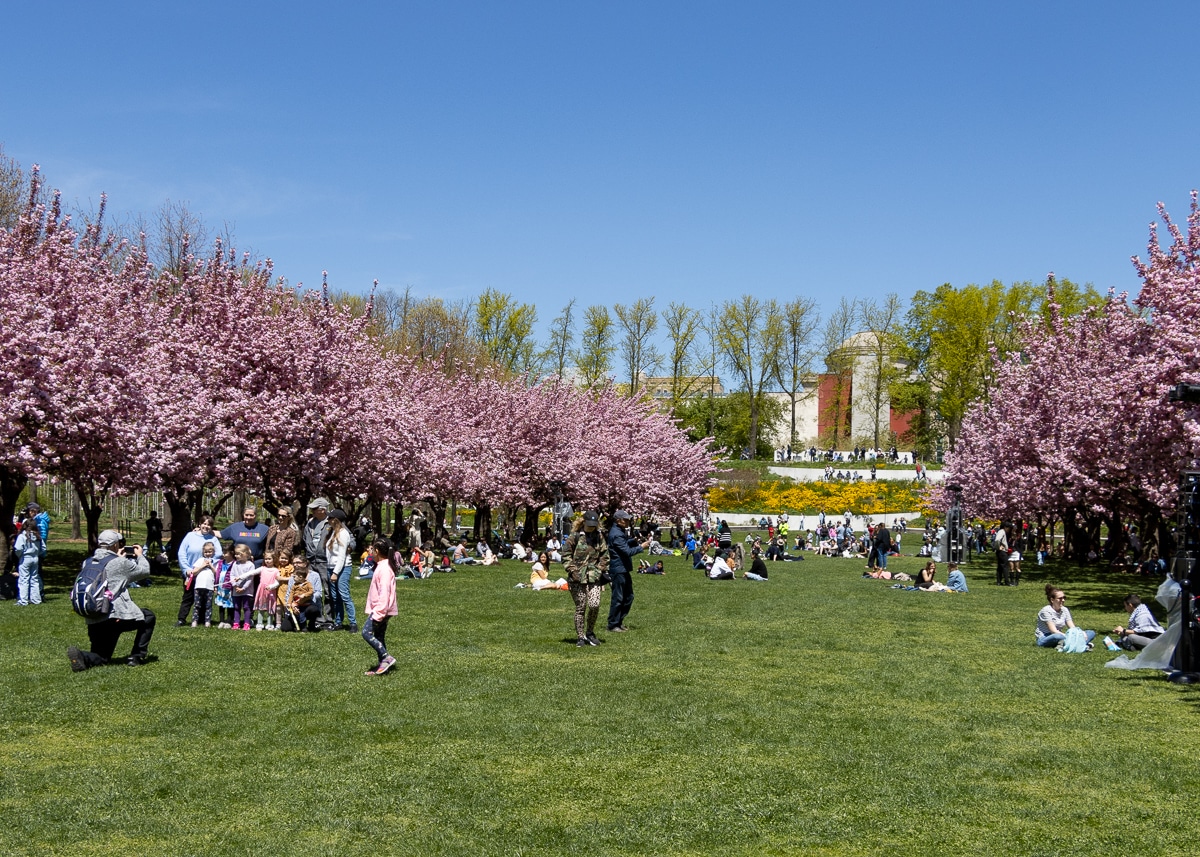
column 264, row 598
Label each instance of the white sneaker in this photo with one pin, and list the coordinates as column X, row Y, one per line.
column 258, row 627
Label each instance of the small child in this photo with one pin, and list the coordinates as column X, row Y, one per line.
column 264, row 597
column 1014, row 566
column 286, row 570
column 204, row 579
column 381, row 605
column 366, row 565
column 223, row 593
column 242, row 574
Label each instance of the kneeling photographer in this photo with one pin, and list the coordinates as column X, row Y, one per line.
column 106, row 576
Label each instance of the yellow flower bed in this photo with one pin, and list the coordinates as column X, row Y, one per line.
column 773, row 497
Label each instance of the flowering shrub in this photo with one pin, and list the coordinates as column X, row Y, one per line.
column 773, row 497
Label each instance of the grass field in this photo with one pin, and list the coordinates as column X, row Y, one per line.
column 819, row 713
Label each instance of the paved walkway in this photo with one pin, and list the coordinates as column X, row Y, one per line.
column 740, row 519
column 813, row 474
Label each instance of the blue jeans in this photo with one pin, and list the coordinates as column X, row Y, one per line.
column 750, row 575
column 881, row 559
column 341, row 606
column 621, row 599
column 1049, row 641
column 29, row 581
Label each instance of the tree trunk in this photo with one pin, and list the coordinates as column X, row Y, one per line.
column 11, row 484
column 179, row 519
column 76, row 518
column 93, row 507
column 529, row 531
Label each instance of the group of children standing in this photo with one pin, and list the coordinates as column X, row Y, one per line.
column 281, row 595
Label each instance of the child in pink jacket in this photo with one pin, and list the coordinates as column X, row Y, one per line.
column 381, row 604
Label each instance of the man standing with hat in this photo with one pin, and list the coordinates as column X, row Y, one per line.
column 620, row 568
column 119, row 570
column 316, row 528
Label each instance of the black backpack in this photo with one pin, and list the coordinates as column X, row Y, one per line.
column 90, row 596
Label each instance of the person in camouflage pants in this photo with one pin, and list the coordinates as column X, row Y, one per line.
column 585, row 555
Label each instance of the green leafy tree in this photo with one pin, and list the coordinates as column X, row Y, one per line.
column 639, row 356
column 596, row 345
column 504, row 328
column 800, row 320
column 727, row 420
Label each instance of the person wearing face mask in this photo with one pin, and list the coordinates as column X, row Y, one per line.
column 191, row 549
column 585, row 555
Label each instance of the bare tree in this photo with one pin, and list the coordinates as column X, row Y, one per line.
column 175, row 233
column 638, row 321
column 800, row 320
column 594, row 358
column 883, row 321
column 684, row 326
column 839, row 363
column 562, row 336
column 14, row 191
column 750, row 338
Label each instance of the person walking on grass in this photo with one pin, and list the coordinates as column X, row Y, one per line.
column 381, row 604
column 120, row 571
column 585, row 554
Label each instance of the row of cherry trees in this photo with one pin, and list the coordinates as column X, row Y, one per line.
column 119, row 377
column 1079, row 427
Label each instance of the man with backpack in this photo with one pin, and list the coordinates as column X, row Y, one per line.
column 101, row 596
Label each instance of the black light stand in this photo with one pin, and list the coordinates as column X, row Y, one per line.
column 954, row 524
column 1184, row 571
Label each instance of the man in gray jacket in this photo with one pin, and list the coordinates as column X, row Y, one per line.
column 120, row 571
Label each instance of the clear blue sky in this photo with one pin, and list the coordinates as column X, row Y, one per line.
column 690, row 151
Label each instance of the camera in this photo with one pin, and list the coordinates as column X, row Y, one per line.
column 1186, row 393
column 129, row 551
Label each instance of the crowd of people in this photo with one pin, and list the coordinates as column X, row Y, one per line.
column 284, row 577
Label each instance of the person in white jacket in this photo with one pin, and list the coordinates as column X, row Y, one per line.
column 337, row 558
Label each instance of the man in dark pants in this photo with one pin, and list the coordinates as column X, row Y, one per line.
column 1003, row 570
column 620, row 568
column 125, row 616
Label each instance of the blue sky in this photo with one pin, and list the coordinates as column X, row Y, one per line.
column 607, row 151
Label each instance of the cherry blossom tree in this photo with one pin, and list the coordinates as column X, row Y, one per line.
column 1079, row 427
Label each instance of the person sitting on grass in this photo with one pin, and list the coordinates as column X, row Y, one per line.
column 758, row 568
column 462, row 555
column 539, row 575
column 1142, row 628
column 956, row 579
column 701, row 558
column 722, row 567
column 927, row 579
column 1054, row 620
column 296, row 596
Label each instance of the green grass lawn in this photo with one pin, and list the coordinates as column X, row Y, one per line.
column 819, row 713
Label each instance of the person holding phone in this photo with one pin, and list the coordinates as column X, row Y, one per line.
column 121, row 568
